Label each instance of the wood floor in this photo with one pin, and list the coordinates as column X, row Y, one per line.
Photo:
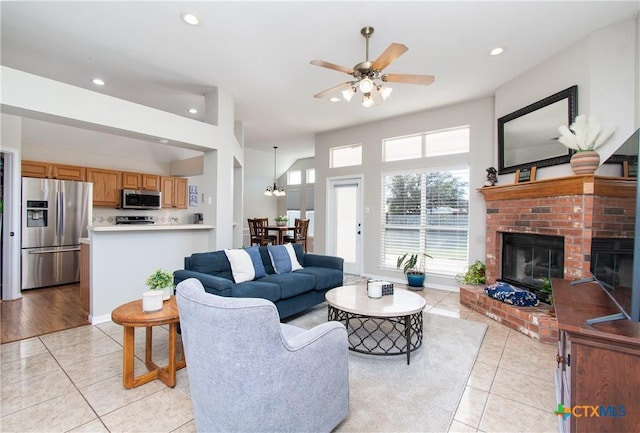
column 41, row 311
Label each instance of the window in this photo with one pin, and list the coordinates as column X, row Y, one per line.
column 345, row 156
column 294, row 177
column 447, row 142
column 310, row 214
column 311, row 175
column 428, row 144
column 427, row 211
column 292, row 215
column 396, row 149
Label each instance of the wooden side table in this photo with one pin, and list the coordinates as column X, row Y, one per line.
column 130, row 316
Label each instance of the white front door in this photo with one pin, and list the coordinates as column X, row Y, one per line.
column 344, row 223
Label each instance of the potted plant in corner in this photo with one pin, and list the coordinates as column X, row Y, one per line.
column 281, row 220
column 162, row 281
column 475, row 274
column 413, row 266
column 584, row 136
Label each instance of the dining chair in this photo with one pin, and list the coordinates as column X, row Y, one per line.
column 258, row 233
column 299, row 233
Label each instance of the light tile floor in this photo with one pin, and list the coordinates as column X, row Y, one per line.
column 71, row 381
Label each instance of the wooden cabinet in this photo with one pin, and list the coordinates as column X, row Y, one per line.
column 145, row 181
column 174, row 192
column 68, row 172
column 180, row 193
column 106, row 186
column 46, row 170
column 131, row 180
column 597, row 364
column 151, row 182
column 36, row 169
column 85, row 278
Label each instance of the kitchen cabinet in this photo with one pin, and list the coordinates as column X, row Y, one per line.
column 174, row 192
column 144, row 181
column 131, row 180
column 106, row 186
column 85, row 277
column 181, row 195
column 47, row 170
column 597, row 377
column 68, row 172
column 36, row 169
column 151, row 182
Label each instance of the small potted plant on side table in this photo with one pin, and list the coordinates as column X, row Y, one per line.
column 281, row 220
column 160, row 282
column 413, row 266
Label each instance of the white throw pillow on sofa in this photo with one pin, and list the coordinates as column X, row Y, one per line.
column 241, row 265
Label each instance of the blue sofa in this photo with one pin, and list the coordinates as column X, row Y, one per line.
column 291, row 292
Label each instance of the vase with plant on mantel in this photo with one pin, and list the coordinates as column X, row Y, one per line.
column 584, row 136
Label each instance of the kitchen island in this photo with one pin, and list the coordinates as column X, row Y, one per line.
column 123, row 256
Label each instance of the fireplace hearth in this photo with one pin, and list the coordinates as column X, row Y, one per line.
column 577, row 209
column 528, row 260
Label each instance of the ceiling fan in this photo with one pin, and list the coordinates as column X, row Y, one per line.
column 367, row 75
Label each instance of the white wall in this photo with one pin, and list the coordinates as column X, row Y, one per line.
column 604, row 67
column 477, row 114
column 258, row 173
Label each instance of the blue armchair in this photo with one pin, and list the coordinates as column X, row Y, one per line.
column 250, row 373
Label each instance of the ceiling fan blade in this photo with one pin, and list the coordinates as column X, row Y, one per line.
column 392, row 52
column 332, row 66
column 408, row 78
column 333, row 90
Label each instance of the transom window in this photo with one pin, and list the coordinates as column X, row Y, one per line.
column 345, row 156
column 427, row 144
column 311, row 175
column 294, row 177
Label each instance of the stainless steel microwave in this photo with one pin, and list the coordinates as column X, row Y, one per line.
column 141, row 199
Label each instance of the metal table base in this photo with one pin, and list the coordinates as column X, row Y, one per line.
column 381, row 335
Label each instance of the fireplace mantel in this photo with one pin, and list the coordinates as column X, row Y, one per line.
column 570, row 185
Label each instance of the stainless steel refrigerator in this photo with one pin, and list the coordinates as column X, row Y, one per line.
column 55, row 215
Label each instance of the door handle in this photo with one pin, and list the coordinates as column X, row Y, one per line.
column 55, row 251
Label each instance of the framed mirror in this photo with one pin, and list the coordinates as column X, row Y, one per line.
column 529, row 137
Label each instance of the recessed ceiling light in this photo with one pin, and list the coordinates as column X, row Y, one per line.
column 163, row 141
column 193, row 110
column 496, row 51
column 190, row 19
column 98, row 82
column 335, row 99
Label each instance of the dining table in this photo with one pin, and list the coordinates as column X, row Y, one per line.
column 282, row 230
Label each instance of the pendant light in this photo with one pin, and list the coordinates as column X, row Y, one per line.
column 274, row 190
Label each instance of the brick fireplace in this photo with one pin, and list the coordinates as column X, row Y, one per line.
column 577, row 208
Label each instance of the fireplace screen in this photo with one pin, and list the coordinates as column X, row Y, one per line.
column 612, row 261
column 528, row 259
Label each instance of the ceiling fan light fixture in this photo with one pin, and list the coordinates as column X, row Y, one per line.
column 366, row 85
column 385, row 91
column 367, row 100
column 348, row 94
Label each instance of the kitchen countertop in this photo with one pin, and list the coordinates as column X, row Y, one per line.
column 149, row 227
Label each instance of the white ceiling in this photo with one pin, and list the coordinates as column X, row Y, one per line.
column 260, row 52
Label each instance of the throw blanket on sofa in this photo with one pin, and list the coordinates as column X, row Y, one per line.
column 511, row 295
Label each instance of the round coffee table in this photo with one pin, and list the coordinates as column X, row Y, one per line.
column 130, row 316
column 390, row 325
